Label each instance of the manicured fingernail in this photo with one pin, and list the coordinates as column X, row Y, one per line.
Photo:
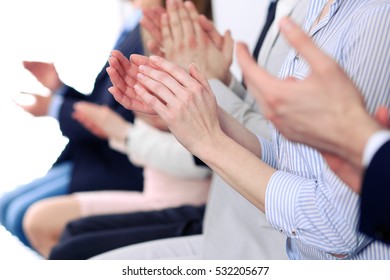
column 137, row 88
column 142, row 68
column 154, row 58
column 140, row 76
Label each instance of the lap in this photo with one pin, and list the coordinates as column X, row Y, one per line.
column 138, row 219
column 91, row 236
column 187, row 247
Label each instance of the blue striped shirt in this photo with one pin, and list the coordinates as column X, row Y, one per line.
column 304, row 198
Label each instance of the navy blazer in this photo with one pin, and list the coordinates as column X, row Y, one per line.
column 375, row 204
column 96, row 165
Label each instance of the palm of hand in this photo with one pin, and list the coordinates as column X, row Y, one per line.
column 44, row 72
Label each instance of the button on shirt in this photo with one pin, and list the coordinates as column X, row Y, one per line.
column 305, row 199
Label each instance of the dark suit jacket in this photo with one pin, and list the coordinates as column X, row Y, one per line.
column 96, row 165
column 375, row 204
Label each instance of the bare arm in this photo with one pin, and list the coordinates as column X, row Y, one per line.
column 186, row 102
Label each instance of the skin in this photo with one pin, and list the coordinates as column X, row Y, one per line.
column 184, row 37
column 47, row 75
column 297, row 108
column 101, row 120
column 185, row 101
column 45, row 220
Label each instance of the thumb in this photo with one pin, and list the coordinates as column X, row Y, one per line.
column 382, row 116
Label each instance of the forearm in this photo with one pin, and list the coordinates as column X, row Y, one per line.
column 239, row 133
column 226, row 158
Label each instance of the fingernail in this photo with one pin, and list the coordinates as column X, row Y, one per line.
column 286, row 24
column 137, row 88
column 140, row 76
column 154, row 58
column 142, row 68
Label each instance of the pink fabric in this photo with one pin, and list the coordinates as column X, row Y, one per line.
column 160, row 191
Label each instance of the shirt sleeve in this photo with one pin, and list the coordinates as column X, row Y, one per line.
column 323, row 212
column 237, row 88
column 374, row 143
column 147, row 145
column 315, row 212
column 56, row 102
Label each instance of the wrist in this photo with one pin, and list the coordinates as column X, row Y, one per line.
column 56, row 87
column 122, row 132
column 356, row 138
column 210, row 147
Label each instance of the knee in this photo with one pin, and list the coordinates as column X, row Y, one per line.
column 34, row 221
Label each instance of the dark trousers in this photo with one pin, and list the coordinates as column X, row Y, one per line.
column 90, row 236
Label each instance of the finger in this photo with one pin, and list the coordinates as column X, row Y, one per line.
column 159, row 83
column 178, row 73
column 186, row 23
column 262, row 85
column 382, row 116
column 153, row 14
column 152, row 101
column 28, row 64
column 174, row 19
column 89, row 123
column 302, row 43
column 208, row 27
column 252, row 73
column 88, row 109
column 125, row 76
column 166, row 33
column 116, row 79
column 118, row 61
column 138, row 60
column 121, row 98
column 194, row 17
column 151, row 22
column 155, row 48
column 198, row 76
column 153, row 30
column 130, row 103
column 228, row 46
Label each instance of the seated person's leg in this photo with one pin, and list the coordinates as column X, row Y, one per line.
column 7, row 198
column 87, row 237
column 128, row 220
column 55, row 183
column 45, row 220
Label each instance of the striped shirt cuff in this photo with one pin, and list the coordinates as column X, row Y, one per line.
column 267, row 152
column 282, row 200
